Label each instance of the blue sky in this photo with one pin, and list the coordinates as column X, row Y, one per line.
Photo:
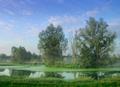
column 22, row 20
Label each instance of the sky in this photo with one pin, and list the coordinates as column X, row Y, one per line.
column 22, row 20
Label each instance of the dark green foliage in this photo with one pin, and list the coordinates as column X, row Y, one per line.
column 53, row 82
column 94, row 43
column 115, row 61
column 20, row 73
column 4, row 58
column 20, row 55
column 53, row 74
column 52, row 43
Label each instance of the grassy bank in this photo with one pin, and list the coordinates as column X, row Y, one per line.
column 55, row 82
column 52, row 69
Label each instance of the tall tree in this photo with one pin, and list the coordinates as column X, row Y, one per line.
column 94, row 43
column 52, row 43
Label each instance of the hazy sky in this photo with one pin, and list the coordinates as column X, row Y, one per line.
column 22, row 20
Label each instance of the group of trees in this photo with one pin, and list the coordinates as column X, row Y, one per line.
column 91, row 46
column 4, row 58
column 20, row 55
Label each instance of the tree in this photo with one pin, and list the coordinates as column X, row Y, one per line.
column 14, row 54
column 20, row 55
column 94, row 43
column 52, row 43
column 4, row 57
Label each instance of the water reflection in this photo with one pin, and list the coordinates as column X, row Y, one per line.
column 68, row 75
column 53, row 74
column 64, row 75
column 20, row 73
column 5, row 72
column 36, row 74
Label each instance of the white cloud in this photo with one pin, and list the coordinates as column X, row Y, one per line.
column 56, row 20
column 71, row 19
column 34, row 29
column 6, row 26
column 76, row 21
column 114, row 26
column 115, row 23
column 16, row 7
column 92, row 13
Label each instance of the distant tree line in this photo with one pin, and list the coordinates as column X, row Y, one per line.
column 20, row 55
column 4, row 58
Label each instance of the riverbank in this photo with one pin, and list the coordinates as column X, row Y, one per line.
column 52, row 69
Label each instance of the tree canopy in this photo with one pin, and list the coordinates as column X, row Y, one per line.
column 20, row 55
column 52, row 43
column 94, row 43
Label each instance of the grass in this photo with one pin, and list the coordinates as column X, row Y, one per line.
column 52, row 69
column 55, row 82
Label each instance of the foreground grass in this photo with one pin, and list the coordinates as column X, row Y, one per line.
column 55, row 82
